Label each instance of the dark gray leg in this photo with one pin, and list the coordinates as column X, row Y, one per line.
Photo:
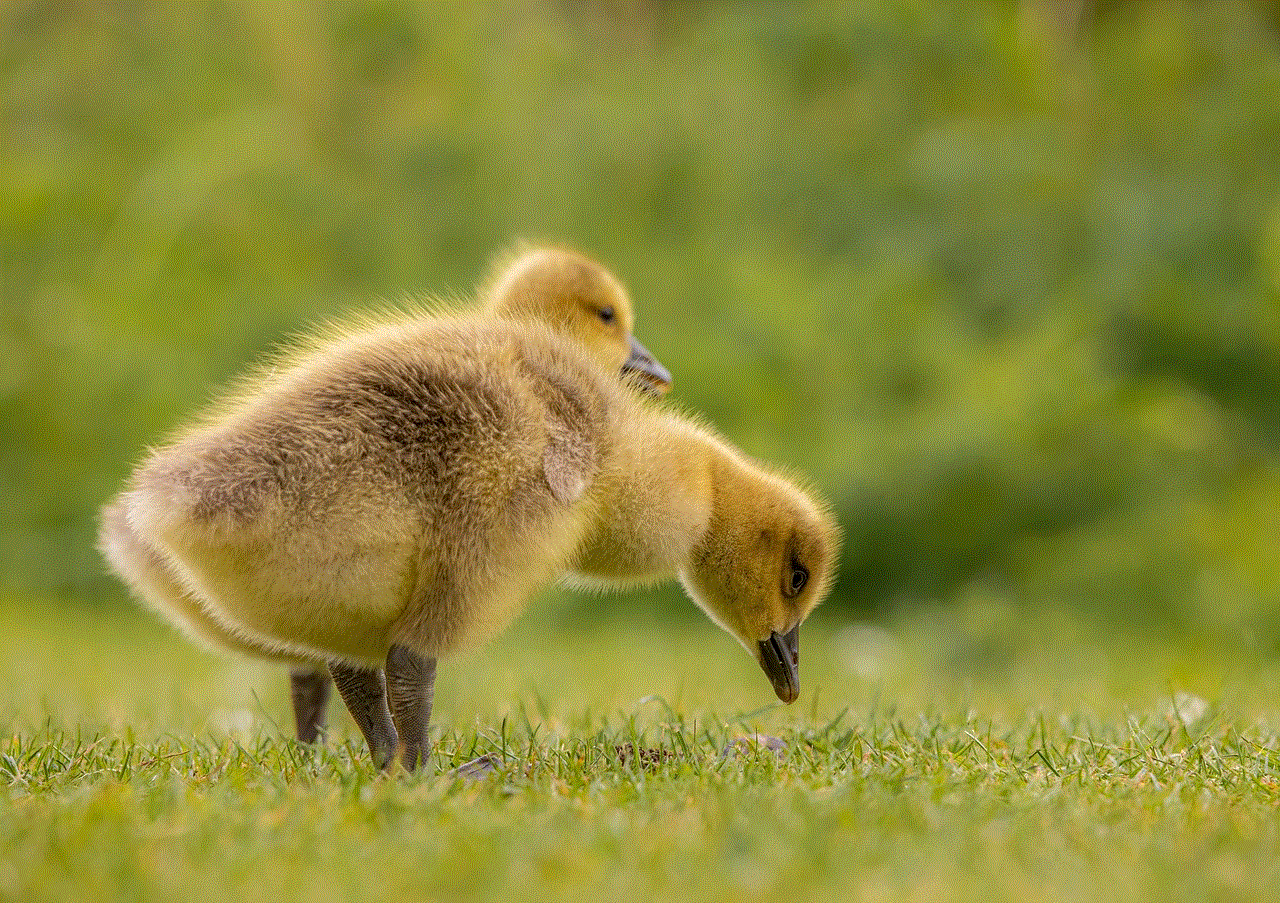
column 364, row 690
column 411, row 687
column 310, row 692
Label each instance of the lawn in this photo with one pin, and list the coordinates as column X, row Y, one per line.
column 975, row 753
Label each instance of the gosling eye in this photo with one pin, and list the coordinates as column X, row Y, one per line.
column 607, row 315
column 799, row 577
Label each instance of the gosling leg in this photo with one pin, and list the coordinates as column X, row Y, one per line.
column 310, row 690
column 411, row 683
column 364, row 690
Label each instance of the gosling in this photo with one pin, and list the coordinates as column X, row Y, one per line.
column 561, row 288
column 401, row 493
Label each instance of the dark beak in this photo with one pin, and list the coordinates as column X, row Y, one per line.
column 653, row 377
column 780, row 659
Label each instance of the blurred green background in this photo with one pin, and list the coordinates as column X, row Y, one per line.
column 1002, row 279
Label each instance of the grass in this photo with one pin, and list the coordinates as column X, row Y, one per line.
column 919, row 764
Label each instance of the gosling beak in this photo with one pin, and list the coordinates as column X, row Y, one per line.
column 780, row 659
column 653, row 377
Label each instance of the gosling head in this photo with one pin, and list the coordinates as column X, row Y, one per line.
column 767, row 559
column 579, row 297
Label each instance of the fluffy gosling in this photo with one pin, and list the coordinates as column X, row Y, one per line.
column 402, row 493
column 564, row 289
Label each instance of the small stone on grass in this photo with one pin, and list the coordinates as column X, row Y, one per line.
column 739, row 747
column 478, row 768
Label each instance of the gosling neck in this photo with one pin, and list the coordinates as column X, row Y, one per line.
column 730, row 480
column 652, row 505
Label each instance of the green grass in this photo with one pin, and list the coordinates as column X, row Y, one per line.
column 920, row 764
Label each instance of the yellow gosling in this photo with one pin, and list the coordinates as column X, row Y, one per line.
column 401, row 494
